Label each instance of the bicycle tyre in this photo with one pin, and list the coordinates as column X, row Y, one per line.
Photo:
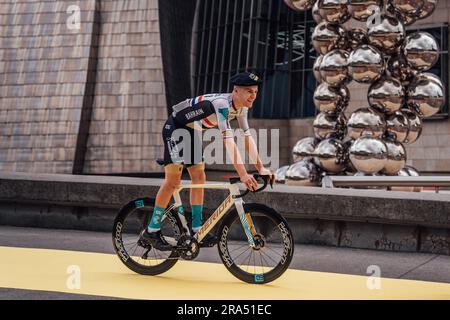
column 262, row 217
column 144, row 209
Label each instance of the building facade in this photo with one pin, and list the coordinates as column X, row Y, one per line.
column 85, row 86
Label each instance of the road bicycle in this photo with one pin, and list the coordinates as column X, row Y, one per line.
column 254, row 241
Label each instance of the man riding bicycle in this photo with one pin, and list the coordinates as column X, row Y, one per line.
column 194, row 115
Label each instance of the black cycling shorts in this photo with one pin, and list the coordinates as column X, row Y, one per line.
column 182, row 145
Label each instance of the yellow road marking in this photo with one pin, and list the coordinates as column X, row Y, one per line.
column 105, row 275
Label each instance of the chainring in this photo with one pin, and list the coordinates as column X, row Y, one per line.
column 188, row 247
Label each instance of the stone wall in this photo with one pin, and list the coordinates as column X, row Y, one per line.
column 43, row 72
column 130, row 105
column 87, row 100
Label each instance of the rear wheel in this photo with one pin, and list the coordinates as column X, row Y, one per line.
column 273, row 252
column 130, row 221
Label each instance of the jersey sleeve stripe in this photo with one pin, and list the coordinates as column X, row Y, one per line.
column 208, row 123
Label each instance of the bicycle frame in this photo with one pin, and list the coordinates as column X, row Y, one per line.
column 219, row 213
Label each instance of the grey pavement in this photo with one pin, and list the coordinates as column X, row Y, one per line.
column 398, row 265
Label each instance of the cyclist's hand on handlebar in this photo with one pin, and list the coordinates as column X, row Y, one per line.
column 249, row 181
column 267, row 172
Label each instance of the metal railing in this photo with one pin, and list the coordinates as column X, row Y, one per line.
column 386, row 181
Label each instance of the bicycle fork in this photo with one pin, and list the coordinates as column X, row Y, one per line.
column 246, row 220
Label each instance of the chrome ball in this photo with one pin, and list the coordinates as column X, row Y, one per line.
column 327, row 37
column 366, row 121
column 426, row 94
column 427, row 9
column 386, row 95
column 407, row 7
column 368, row 154
column 316, row 13
column 304, row 148
column 280, row 174
column 356, row 38
column 366, row 64
column 406, row 19
column 397, row 124
column 363, row 9
column 301, row 173
column 399, row 68
column 316, row 68
column 331, row 99
column 386, row 34
column 411, row 171
column 334, row 11
column 334, row 68
column 421, row 51
column 330, row 154
column 396, row 157
column 415, row 126
column 329, row 125
column 300, row 5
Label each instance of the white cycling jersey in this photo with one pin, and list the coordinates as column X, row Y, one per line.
column 219, row 112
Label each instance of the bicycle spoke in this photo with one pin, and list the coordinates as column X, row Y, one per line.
column 245, row 247
column 278, row 254
column 240, row 247
column 268, row 265
column 249, row 256
column 260, row 259
column 263, row 253
column 249, row 248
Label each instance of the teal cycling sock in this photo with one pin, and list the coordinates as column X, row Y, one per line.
column 197, row 211
column 181, row 210
column 155, row 223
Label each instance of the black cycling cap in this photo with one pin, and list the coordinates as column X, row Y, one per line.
column 245, row 79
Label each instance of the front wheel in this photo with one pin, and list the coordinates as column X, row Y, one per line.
column 271, row 255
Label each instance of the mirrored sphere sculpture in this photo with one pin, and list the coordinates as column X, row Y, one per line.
column 366, row 121
column 421, row 51
column 363, row 9
column 386, row 34
column 397, row 124
column 301, row 173
column 280, row 174
column 334, row 68
column 408, row 7
column 331, row 99
column 328, row 125
column 304, row 148
column 356, row 38
column 406, row 19
column 368, row 154
column 428, row 8
column 335, row 11
column 366, row 64
column 386, row 95
column 415, row 126
column 327, row 37
column 316, row 14
column 396, row 157
column 300, row 5
column 316, row 68
column 399, row 68
column 330, row 155
column 426, row 94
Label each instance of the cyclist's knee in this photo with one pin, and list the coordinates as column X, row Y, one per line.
column 197, row 173
column 173, row 176
column 171, row 183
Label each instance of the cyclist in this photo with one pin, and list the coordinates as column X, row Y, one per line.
column 194, row 115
